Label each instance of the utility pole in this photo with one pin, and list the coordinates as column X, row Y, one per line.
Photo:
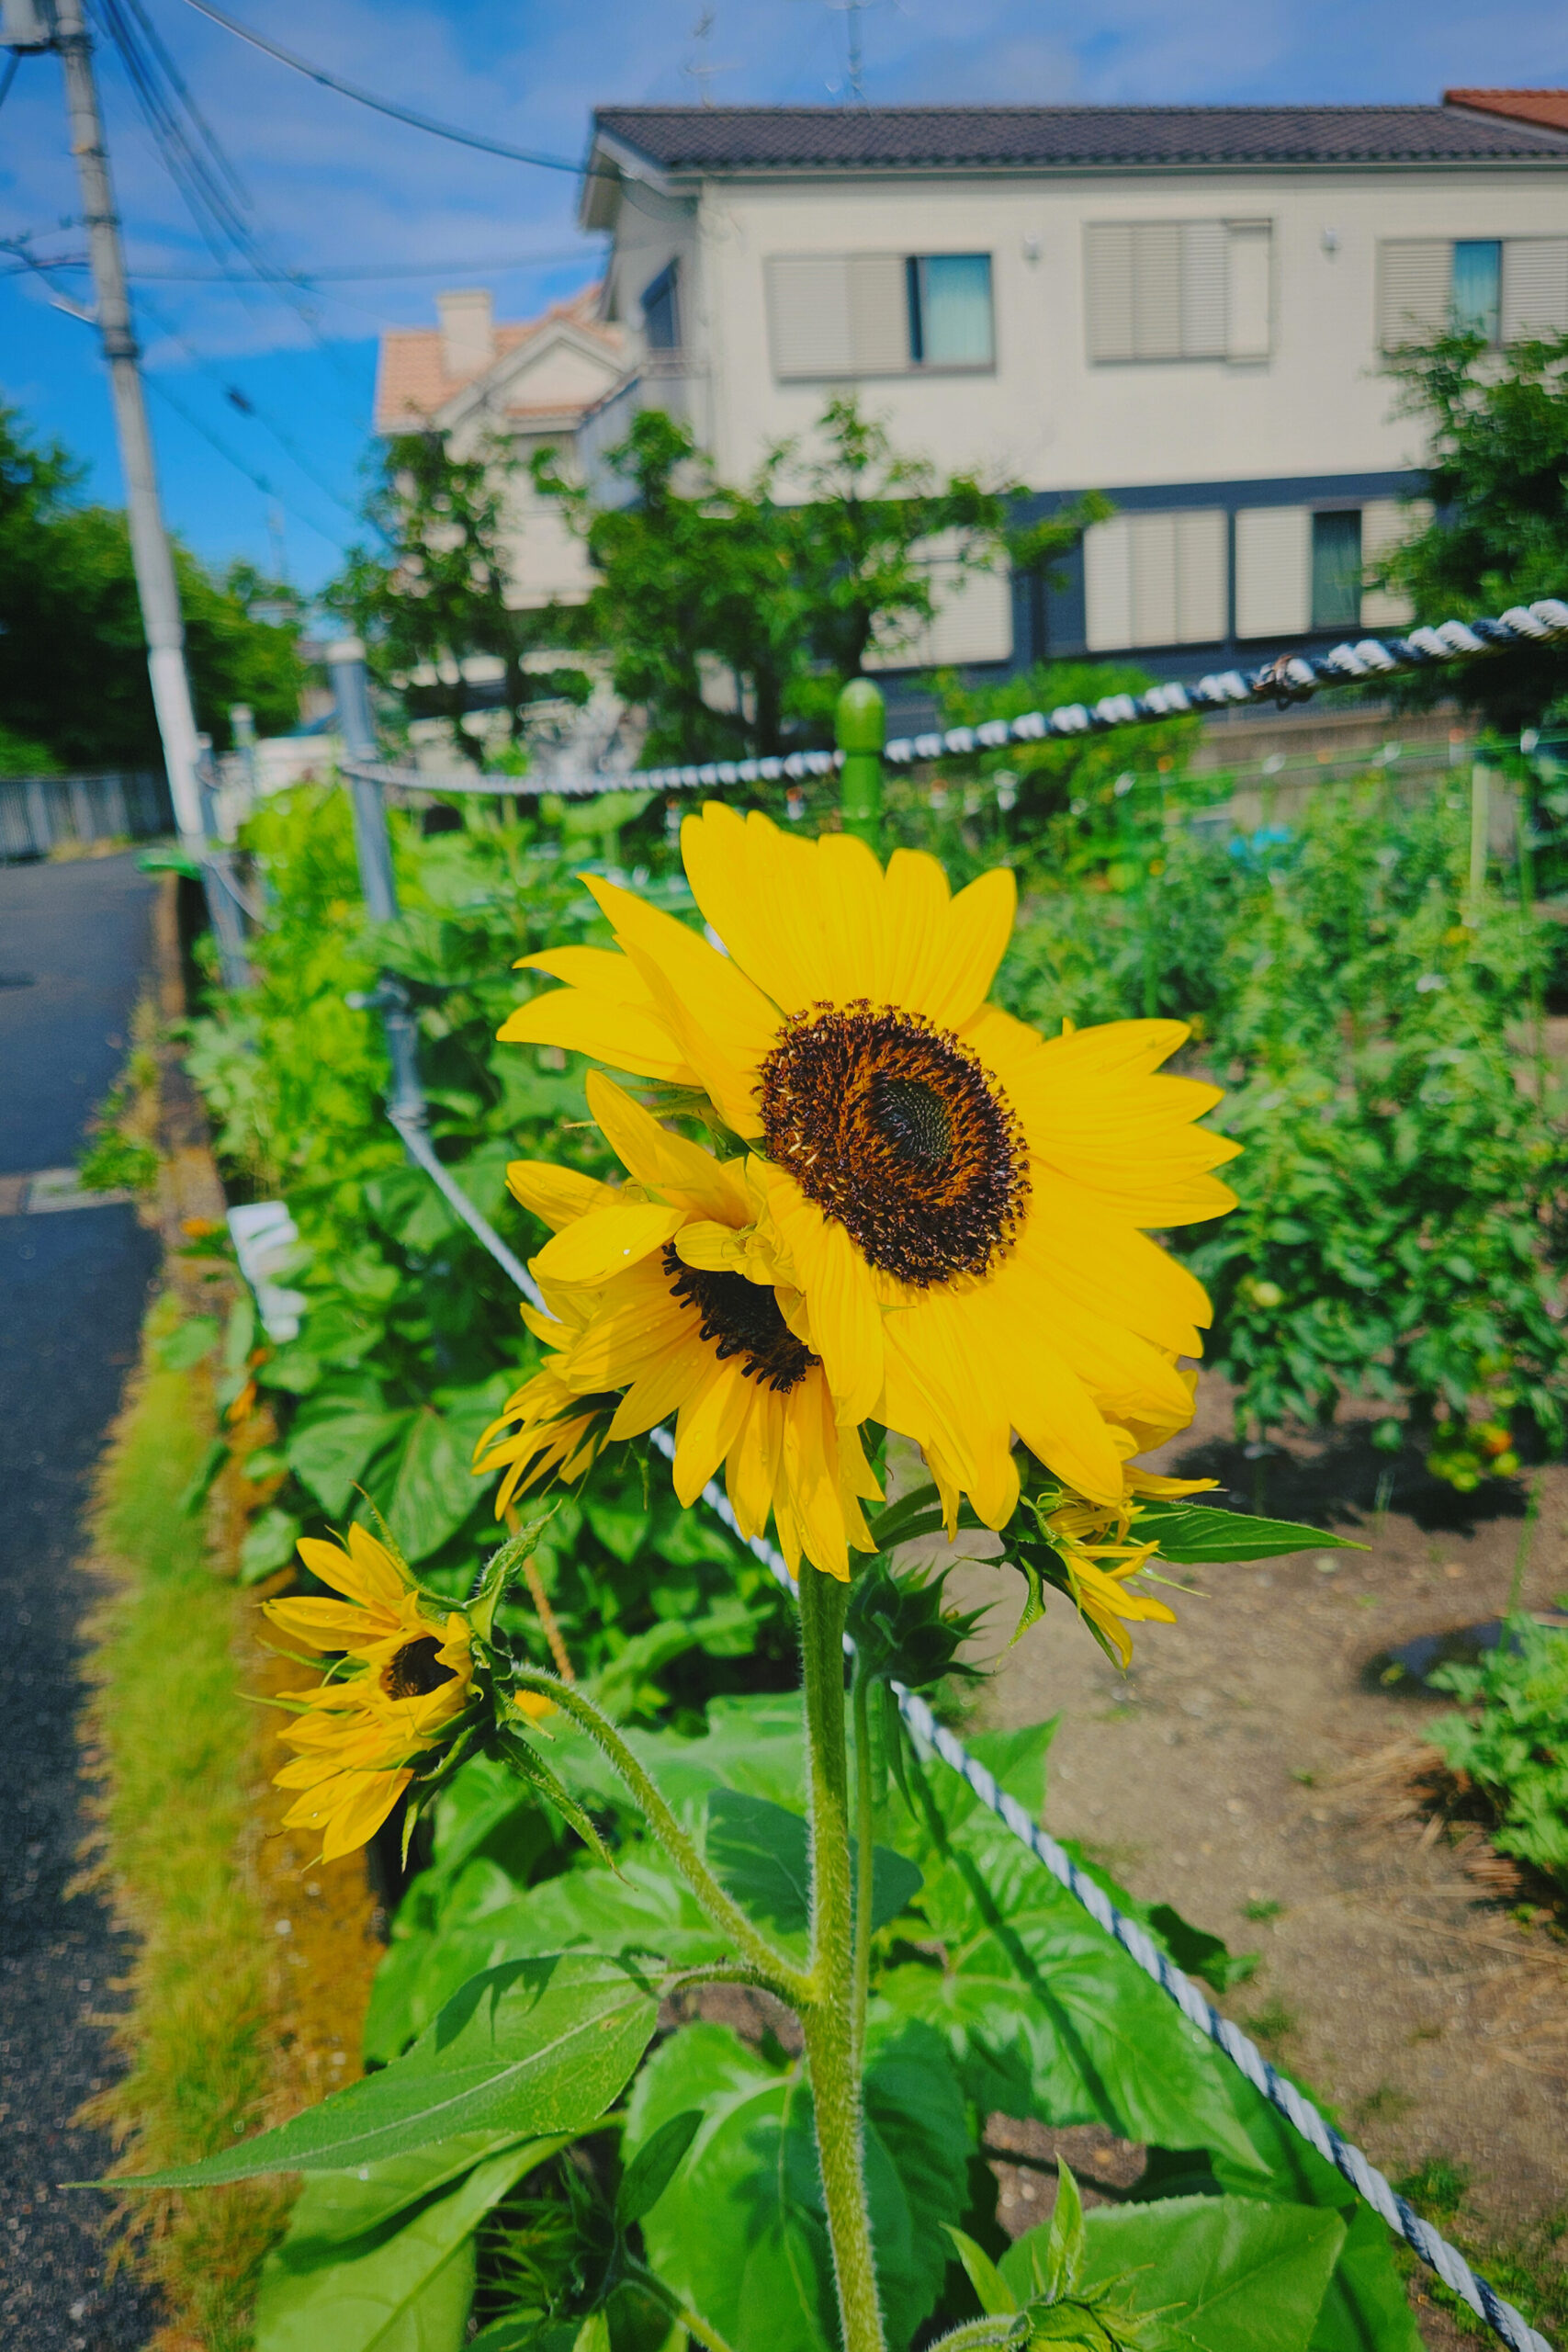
column 156, row 581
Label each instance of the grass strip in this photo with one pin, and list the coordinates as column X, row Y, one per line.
column 173, row 1743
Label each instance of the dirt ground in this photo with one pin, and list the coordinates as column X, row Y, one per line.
column 1250, row 1758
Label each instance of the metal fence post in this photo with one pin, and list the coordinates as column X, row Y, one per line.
column 373, row 848
column 860, row 728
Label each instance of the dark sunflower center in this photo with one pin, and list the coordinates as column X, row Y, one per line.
column 415, row 1670
column 743, row 1317
column 896, row 1129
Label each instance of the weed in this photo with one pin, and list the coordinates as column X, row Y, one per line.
column 1261, row 1906
column 168, row 1718
column 1274, row 2021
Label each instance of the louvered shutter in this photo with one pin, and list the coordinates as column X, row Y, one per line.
column 879, row 314
column 1535, row 287
column 1202, row 289
column 1108, row 584
column 1157, row 289
column 1200, row 583
column 1273, row 570
column 1107, row 291
column 810, row 318
column 1249, row 291
column 1416, row 277
column 1154, row 579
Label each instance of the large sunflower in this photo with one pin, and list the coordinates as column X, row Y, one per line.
column 663, row 1290
column 408, row 1671
column 958, row 1201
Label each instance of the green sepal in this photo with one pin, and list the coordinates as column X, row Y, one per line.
column 1033, row 1600
column 1064, row 2246
column 1190, row 1535
column 514, row 1749
column 499, row 1570
column 997, row 2298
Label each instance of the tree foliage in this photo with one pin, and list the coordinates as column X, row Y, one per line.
column 437, row 591
column 1497, row 472
column 769, row 595
column 74, row 677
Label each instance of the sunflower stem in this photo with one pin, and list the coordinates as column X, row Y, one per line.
column 829, row 2023
column 774, row 1967
column 865, row 1864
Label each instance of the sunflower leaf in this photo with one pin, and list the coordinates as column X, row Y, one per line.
column 541, row 2045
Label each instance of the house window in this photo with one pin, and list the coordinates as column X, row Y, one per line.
column 950, row 310
column 1177, row 289
column 878, row 314
column 1157, row 579
column 661, row 310
column 1336, row 570
column 1478, row 287
column 1502, row 287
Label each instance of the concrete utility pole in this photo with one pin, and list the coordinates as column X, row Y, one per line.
column 149, row 541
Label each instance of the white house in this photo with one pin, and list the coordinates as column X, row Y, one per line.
column 1186, row 306
column 531, row 382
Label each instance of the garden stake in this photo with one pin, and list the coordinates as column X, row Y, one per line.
column 860, row 723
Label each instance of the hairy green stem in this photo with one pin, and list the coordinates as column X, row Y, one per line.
column 865, row 1868
column 702, row 2331
column 774, row 1967
column 976, row 2333
column 828, row 2022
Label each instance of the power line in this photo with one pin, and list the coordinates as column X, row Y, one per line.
column 383, row 106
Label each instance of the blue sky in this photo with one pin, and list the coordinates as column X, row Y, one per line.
column 332, row 186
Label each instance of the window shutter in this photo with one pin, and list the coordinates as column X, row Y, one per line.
column 1535, row 287
column 879, row 314
column 1200, row 583
column 1154, row 579
column 809, row 326
column 1157, row 289
column 1384, row 523
column 1202, row 289
column 1415, row 277
column 1108, row 584
column 1273, row 570
column 1107, row 288
column 1248, row 303
column 973, row 621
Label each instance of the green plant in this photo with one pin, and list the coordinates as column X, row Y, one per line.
column 1515, row 1746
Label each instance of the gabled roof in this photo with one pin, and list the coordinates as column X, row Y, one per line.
column 412, row 383
column 1549, row 107
column 680, row 139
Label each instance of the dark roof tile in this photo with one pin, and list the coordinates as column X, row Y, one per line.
column 700, row 139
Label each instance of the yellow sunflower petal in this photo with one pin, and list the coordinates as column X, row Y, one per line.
column 659, row 1389
column 978, row 926
column 681, row 1172
column 605, row 1242
column 711, row 1419
column 365, row 1571
column 325, row 1624
column 628, row 1036
column 724, row 1023
column 556, row 1195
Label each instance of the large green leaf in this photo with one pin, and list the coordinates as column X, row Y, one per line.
column 1224, row 2273
column 542, row 2045
column 330, row 1443
column 917, row 2147
column 1043, row 2011
column 740, row 2233
column 353, row 2275
column 759, row 1851
column 435, row 1489
column 1190, row 1534
column 486, row 1920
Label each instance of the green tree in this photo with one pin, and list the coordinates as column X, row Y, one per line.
column 72, row 656
column 1497, row 474
column 437, row 591
column 782, row 588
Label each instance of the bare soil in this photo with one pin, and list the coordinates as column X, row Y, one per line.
column 1251, row 1756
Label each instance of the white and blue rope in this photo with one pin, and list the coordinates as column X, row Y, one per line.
column 1291, row 678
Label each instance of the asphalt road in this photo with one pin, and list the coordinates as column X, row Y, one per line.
column 74, row 941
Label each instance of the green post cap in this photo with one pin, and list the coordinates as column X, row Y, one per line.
column 859, row 722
